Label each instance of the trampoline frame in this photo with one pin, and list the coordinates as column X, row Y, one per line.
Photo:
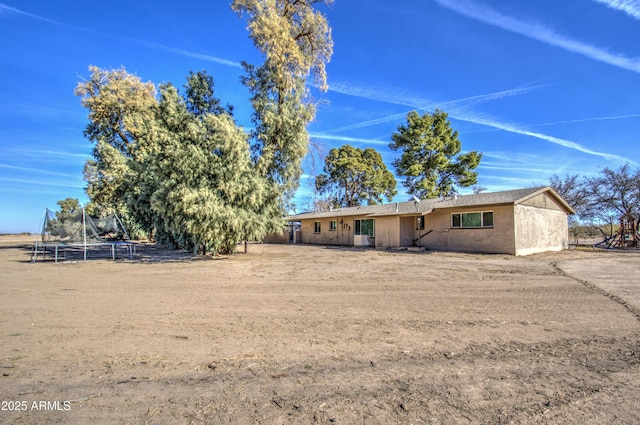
column 41, row 248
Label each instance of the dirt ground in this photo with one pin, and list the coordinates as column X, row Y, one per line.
column 307, row 334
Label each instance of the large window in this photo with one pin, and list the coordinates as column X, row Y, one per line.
column 472, row 219
column 365, row 227
column 316, row 227
column 333, row 225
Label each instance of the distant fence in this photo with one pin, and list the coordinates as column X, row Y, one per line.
column 285, row 237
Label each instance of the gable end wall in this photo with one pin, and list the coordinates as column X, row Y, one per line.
column 540, row 229
column 544, row 200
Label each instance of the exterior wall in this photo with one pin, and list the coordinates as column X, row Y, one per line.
column 537, row 225
column 540, row 229
column 343, row 235
column 496, row 239
column 543, row 200
column 387, row 232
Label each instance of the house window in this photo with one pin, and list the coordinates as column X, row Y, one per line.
column 472, row 219
column 316, row 227
column 333, row 225
column 419, row 223
column 365, row 227
column 487, row 219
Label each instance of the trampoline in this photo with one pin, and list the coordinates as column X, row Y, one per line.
column 75, row 235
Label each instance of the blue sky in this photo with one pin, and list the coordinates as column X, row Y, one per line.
column 538, row 89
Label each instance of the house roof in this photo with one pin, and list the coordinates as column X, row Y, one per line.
column 426, row 206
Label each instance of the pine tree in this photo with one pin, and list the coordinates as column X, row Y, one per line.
column 355, row 176
column 208, row 195
column 431, row 162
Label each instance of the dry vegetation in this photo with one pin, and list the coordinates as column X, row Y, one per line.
column 302, row 334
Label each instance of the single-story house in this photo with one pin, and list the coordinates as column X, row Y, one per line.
column 517, row 222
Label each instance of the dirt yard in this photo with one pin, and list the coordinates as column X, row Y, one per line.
column 303, row 334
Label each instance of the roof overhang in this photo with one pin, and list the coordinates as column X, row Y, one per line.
column 404, row 214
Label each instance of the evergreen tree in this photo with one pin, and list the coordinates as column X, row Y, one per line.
column 431, row 162
column 355, row 176
column 296, row 42
column 121, row 108
column 207, row 193
column 186, row 175
column 180, row 167
column 69, row 208
column 200, row 97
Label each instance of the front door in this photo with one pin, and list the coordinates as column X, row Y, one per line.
column 407, row 231
column 364, row 232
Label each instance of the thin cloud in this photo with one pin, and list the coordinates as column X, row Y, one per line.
column 186, row 53
column 521, row 170
column 41, row 183
column 37, row 170
column 538, row 32
column 630, row 7
column 464, row 115
column 518, row 163
column 551, row 139
column 368, row 123
column 390, row 96
column 44, row 154
column 382, row 94
column 63, row 154
column 8, row 10
column 619, row 117
column 517, row 159
column 509, row 182
column 324, row 136
column 489, row 97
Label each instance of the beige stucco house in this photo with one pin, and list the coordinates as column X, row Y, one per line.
column 517, row 222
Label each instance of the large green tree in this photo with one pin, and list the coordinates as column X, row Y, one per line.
column 294, row 37
column 199, row 95
column 121, row 107
column 295, row 40
column 69, row 208
column 207, row 195
column 355, row 177
column 180, row 167
column 184, row 173
column 431, row 162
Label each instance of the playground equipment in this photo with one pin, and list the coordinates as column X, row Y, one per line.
column 627, row 235
column 67, row 234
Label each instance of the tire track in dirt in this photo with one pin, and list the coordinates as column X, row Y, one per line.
column 595, row 288
column 303, row 335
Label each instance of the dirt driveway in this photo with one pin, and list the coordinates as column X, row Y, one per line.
column 303, row 334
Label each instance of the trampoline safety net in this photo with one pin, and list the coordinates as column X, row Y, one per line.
column 77, row 227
